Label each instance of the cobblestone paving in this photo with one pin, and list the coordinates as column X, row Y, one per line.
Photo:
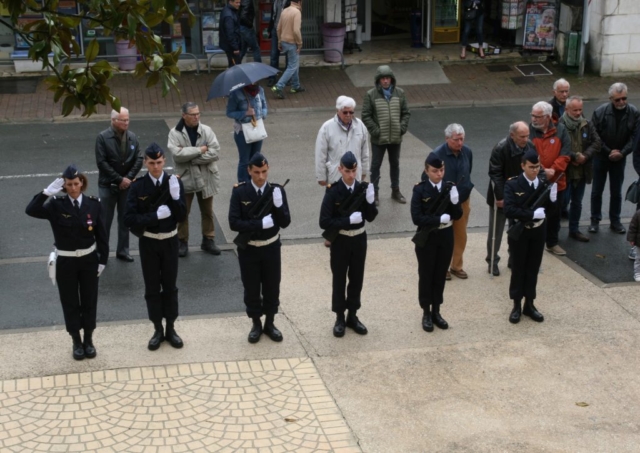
column 253, row 406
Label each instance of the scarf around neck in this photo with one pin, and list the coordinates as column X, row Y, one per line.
column 570, row 123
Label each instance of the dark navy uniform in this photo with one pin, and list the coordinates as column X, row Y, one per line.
column 159, row 257
column 260, row 265
column 77, row 277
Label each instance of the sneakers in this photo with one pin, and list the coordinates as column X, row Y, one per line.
column 632, row 254
column 594, row 227
column 300, row 89
column 617, row 228
column 636, row 277
column 277, row 91
column 556, row 250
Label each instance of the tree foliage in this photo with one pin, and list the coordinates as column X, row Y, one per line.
column 51, row 40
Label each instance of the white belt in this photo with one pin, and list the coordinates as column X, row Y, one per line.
column 271, row 240
column 535, row 224
column 76, row 253
column 351, row 233
column 445, row 225
column 160, row 236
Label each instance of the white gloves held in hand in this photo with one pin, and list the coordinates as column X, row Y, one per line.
column 355, row 218
column 454, row 195
column 163, row 212
column 277, row 197
column 55, row 187
column 445, row 218
column 100, row 268
column 371, row 194
column 174, row 187
column 267, row 222
column 553, row 193
column 539, row 214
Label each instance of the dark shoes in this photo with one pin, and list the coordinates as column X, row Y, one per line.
column 578, row 236
column 531, row 311
column 125, row 257
column 277, row 91
column 78, row 348
column 172, row 337
column 271, row 330
column 89, row 349
column 459, row 273
column 376, row 200
column 156, row 339
column 496, row 269
column 514, row 317
column 339, row 326
column 617, row 228
column 300, row 89
column 209, row 246
column 183, row 249
column 427, row 323
column 396, row 195
column 447, row 277
column 594, row 227
column 439, row 321
column 256, row 330
column 354, row 323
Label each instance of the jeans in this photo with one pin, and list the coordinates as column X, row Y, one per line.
column 293, row 66
column 377, row 152
column 553, row 221
column 479, row 20
column 245, row 152
column 601, row 168
column 250, row 41
column 574, row 195
column 109, row 201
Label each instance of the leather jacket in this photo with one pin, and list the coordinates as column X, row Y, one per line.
column 604, row 121
column 112, row 165
column 247, row 13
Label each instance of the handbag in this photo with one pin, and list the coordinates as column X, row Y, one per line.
column 254, row 130
column 470, row 14
column 633, row 193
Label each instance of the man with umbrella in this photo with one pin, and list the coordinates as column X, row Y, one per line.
column 230, row 37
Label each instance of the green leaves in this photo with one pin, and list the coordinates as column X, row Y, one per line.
column 91, row 51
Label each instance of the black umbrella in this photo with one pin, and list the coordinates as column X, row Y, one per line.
column 238, row 76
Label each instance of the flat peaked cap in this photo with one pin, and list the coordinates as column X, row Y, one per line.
column 154, row 151
column 349, row 161
column 258, row 160
column 433, row 161
column 71, row 172
column 531, row 156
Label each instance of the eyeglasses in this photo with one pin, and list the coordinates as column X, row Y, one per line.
column 538, row 117
column 624, row 98
column 348, row 112
column 193, row 114
column 122, row 121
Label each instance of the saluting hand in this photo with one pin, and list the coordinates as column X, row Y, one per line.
column 54, row 188
column 277, row 197
column 454, row 195
column 539, row 214
column 371, row 194
column 553, row 193
column 267, row 222
column 163, row 212
column 100, row 268
column 355, row 218
column 174, row 187
column 445, row 218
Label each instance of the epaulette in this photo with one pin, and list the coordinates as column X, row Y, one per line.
column 328, row 186
column 513, row 177
column 238, row 184
column 93, row 197
column 421, row 182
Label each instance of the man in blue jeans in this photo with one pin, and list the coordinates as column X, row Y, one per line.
column 247, row 32
column 290, row 39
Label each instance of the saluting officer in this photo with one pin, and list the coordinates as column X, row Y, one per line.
column 82, row 249
column 435, row 255
column 349, row 248
column 155, row 205
column 260, row 265
column 527, row 250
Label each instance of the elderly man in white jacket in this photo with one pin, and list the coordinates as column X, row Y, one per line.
column 195, row 151
column 344, row 132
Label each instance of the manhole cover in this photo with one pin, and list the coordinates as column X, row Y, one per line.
column 533, row 69
column 523, row 80
column 498, row 68
column 18, row 85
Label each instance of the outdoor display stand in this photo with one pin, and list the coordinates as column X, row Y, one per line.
column 540, row 26
column 210, row 25
column 350, row 19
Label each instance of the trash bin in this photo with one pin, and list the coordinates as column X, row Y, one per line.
column 127, row 56
column 333, row 34
column 415, row 22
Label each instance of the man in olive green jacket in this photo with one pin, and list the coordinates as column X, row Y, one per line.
column 386, row 115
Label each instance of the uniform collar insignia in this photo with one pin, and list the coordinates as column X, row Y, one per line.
column 142, row 198
column 246, row 203
column 519, row 194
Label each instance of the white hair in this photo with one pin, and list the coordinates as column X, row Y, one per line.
column 559, row 82
column 452, row 129
column 114, row 113
column 618, row 88
column 514, row 127
column 546, row 108
column 345, row 101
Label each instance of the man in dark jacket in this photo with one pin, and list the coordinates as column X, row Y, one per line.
column 585, row 143
column 119, row 161
column 230, row 36
column 247, row 32
column 505, row 163
column 616, row 123
column 277, row 6
column 559, row 100
column 386, row 114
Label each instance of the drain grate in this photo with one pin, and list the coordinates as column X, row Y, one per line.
column 498, row 68
column 19, row 85
column 523, row 80
column 533, row 69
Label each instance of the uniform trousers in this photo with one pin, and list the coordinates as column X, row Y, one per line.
column 460, row 235
column 108, row 201
column 77, row 280
column 160, row 271
column 348, row 255
column 260, row 270
column 206, row 217
column 526, row 257
column 433, row 263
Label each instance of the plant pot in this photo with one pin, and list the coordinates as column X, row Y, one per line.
column 127, row 55
column 333, row 34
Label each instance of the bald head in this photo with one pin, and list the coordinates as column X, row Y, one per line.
column 519, row 133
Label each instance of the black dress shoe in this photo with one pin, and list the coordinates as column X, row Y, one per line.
column 496, row 270
column 183, row 249
column 354, row 323
column 427, row 324
column 578, row 236
column 256, row 330
column 531, row 311
column 617, row 228
column 172, row 337
column 209, row 246
column 514, row 317
column 272, row 332
column 439, row 321
column 156, row 339
column 78, row 351
column 89, row 349
column 339, row 327
column 127, row 258
column 593, row 228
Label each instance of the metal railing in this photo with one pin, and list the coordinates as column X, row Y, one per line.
column 216, row 53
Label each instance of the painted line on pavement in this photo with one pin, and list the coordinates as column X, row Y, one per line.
column 51, row 175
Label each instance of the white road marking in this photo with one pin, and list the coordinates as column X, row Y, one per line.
column 55, row 175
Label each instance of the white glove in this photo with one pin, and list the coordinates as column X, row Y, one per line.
column 539, row 214
column 371, row 194
column 174, row 187
column 553, row 193
column 445, row 218
column 267, row 222
column 355, row 218
column 163, row 212
column 54, row 188
column 455, row 196
column 277, row 197
column 101, row 268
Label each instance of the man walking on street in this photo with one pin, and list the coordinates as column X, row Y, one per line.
column 386, row 114
column 230, row 37
column 277, row 6
column 195, row 151
column 119, row 160
column 247, row 17
column 290, row 42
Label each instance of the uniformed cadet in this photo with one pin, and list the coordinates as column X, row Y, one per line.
column 260, row 266
column 431, row 208
column 527, row 250
column 344, row 209
column 82, row 252
column 155, row 205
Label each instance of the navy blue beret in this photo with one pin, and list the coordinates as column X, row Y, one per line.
column 433, row 161
column 348, row 160
column 71, row 172
column 154, row 151
column 258, row 160
column 531, row 156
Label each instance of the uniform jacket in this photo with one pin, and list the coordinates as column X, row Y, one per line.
column 333, row 141
column 237, row 105
column 422, row 203
column 558, row 110
column 633, row 233
column 604, row 121
column 334, row 196
column 456, row 169
column 112, row 165
column 636, row 153
column 230, row 39
column 290, row 25
column 504, row 163
column 70, row 230
column 277, row 6
column 243, row 198
column 591, row 145
column 387, row 121
column 247, row 14
column 139, row 214
column 517, row 191
column 554, row 149
column 198, row 172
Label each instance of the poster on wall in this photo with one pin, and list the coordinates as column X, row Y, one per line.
column 540, row 26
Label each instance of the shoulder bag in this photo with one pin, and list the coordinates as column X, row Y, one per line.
column 633, row 193
column 254, row 130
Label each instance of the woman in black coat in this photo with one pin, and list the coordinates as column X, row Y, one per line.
column 472, row 14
